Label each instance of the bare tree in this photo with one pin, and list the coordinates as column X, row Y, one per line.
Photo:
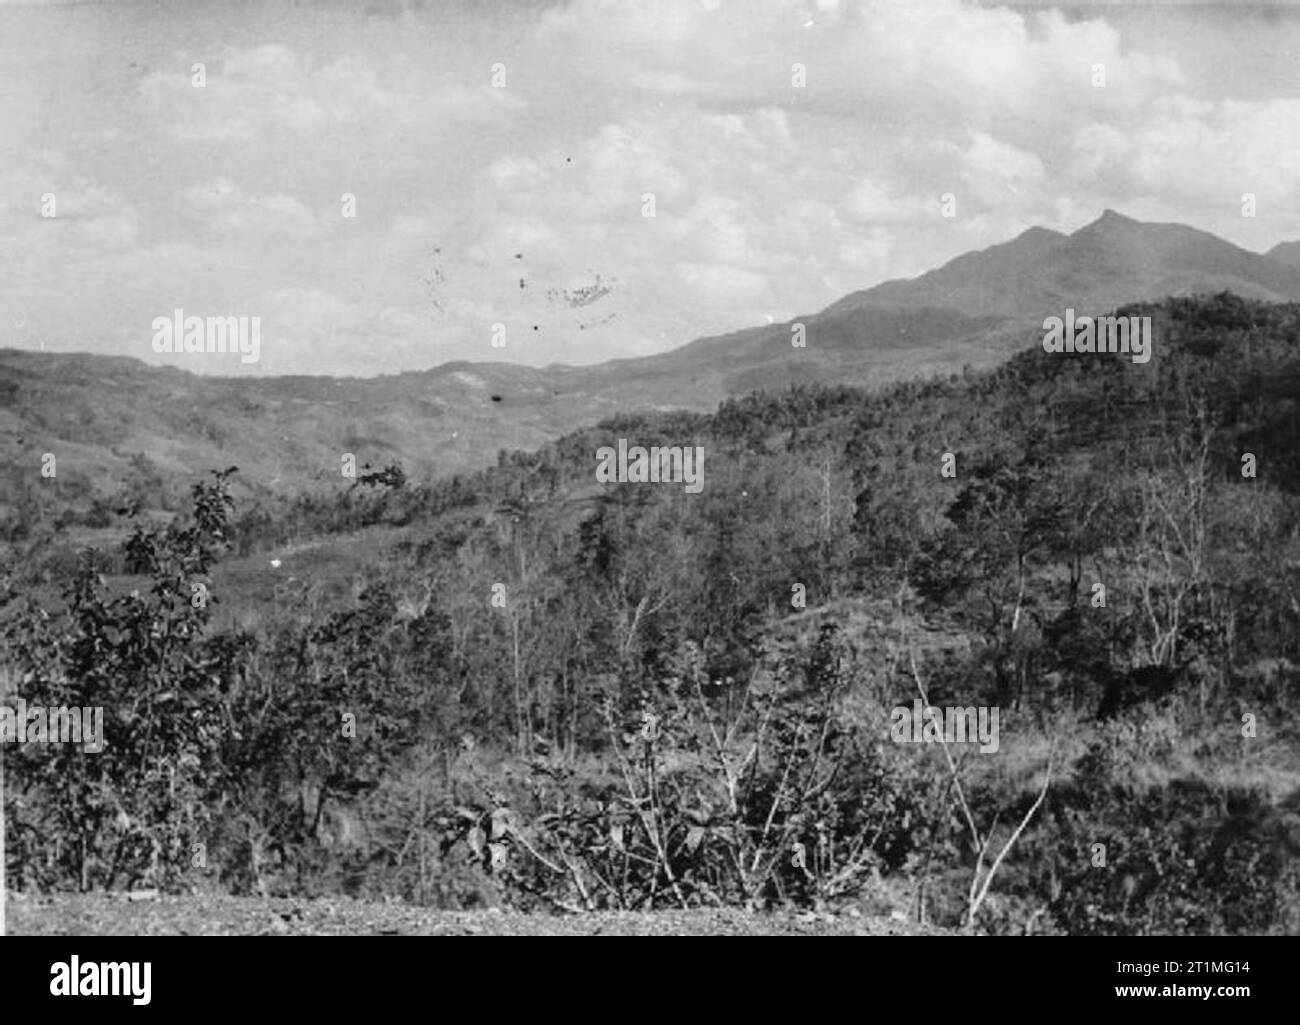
column 981, row 844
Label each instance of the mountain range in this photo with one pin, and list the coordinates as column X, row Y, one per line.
column 95, row 413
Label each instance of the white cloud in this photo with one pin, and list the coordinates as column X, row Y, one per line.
column 771, row 200
column 991, row 169
column 220, row 206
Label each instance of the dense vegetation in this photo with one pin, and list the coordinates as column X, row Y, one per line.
column 555, row 693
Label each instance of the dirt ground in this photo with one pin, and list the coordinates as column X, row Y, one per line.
column 104, row 915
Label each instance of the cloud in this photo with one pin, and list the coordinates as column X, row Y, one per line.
column 990, row 169
column 311, row 327
column 941, row 61
column 221, row 206
column 770, row 199
column 250, row 93
column 87, row 217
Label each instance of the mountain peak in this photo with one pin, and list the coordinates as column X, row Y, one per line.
column 1110, row 219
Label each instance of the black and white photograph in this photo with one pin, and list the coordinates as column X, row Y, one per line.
column 651, row 468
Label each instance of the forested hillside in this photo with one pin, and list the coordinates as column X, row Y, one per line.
column 128, row 434
column 524, row 686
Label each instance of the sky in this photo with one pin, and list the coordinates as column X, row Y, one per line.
column 504, row 160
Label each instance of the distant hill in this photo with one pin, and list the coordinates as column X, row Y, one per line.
column 96, row 413
column 1286, row 252
column 1112, row 261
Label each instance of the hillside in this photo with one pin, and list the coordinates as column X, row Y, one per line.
column 122, row 430
column 1286, row 252
column 1110, row 262
column 531, row 656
